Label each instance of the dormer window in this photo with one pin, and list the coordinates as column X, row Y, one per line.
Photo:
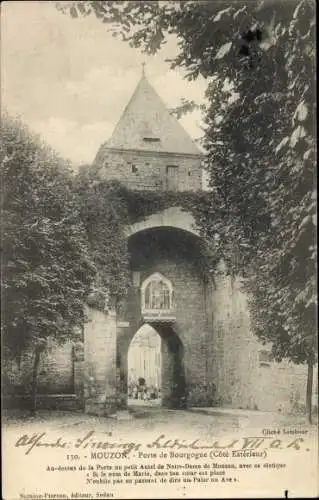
column 151, row 139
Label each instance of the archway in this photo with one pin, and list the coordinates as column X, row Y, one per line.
column 144, row 370
column 155, row 370
column 173, row 218
column 168, row 291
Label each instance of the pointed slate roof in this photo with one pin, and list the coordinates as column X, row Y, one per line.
column 147, row 125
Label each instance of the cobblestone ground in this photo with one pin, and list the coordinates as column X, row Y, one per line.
column 203, row 421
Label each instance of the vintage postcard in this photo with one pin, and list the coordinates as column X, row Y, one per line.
column 158, row 210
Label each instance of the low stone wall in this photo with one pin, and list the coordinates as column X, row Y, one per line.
column 66, row 402
column 100, row 390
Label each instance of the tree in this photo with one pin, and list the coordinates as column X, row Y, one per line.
column 47, row 270
column 272, row 200
column 260, row 146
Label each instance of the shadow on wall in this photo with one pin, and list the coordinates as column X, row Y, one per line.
column 174, row 391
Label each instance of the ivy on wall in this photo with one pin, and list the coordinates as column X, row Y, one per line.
column 107, row 207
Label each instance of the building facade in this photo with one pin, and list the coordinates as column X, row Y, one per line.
column 144, row 358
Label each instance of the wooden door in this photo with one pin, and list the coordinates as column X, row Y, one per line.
column 172, row 177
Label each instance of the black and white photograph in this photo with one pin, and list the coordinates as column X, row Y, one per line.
column 158, row 249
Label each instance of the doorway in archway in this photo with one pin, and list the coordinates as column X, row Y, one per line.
column 156, row 374
column 144, row 374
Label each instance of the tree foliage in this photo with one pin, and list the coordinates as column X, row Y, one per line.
column 46, row 267
column 271, row 157
column 259, row 138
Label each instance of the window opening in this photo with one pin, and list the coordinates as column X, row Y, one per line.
column 157, row 293
column 265, row 357
column 151, row 139
column 157, row 296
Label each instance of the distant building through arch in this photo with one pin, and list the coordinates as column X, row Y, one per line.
column 144, row 358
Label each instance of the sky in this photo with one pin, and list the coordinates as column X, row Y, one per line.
column 70, row 80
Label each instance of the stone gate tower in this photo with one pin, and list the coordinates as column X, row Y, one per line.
column 150, row 150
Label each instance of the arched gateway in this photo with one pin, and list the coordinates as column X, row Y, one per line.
column 169, row 292
column 169, row 379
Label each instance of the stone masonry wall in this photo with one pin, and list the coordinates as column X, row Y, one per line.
column 190, row 312
column 243, row 379
column 143, row 170
column 55, row 375
column 100, row 362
